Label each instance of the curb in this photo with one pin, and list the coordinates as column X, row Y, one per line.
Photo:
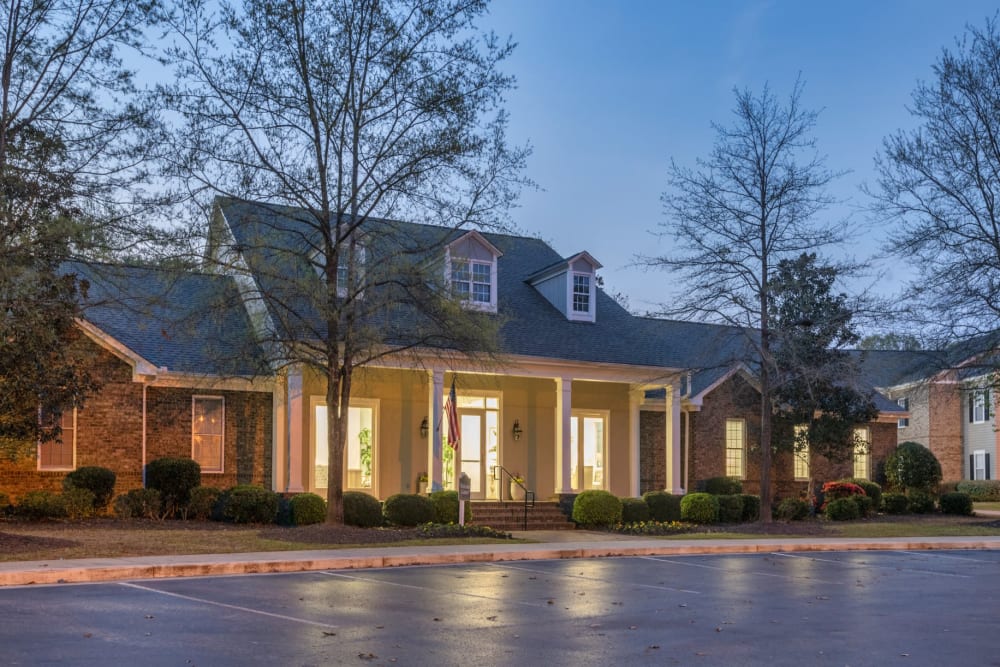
column 67, row 573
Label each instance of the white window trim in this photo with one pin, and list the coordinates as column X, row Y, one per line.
column 801, row 458
column 469, row 302
column 374, row 404
column 903, row 402
column 605, row 415
column 38, row 452
column 980, row 398
column 743, row 448
column 579, row 315
column 222, row 444
column 979, row 458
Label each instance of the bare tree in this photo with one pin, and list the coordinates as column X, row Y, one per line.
column 346, row 115
column 940, row 184
column 69, row 156
column 750, row 204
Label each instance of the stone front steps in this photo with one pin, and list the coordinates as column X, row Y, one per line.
column 509, row 515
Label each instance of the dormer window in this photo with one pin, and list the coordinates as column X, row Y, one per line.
column 571, row 286
column 471, row 270
column 581, row 293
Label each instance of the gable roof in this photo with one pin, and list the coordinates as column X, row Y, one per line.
column 177, row 320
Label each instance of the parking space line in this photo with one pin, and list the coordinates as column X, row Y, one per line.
column 341, row 575
column 938, row 554
column 869, row 564
column 577, row 576
column 234, row 607
column 673, row 561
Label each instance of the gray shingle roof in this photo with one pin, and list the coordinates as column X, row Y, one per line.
column 179, row 320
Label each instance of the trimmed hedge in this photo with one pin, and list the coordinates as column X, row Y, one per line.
column 842, row 509
column 980, row 490
column 634, row 510
column 730, row 508
column 362, row 509
column 723, row 486
column 912, row 467
column 895, row 503
column 36, row 505
column 956, row 503
column 203, row 503
column 792, row 509
column 751, row 508
column 663, row 506
column 597, row 508
column 307, row 509
column 872, row 490
column 866, row 505
column 408, row 509
column 247, row 503
column 174, row 478
column 99, row 481
column 446, row 507
column 920, row 502
column 700, row 508
column 139, row 504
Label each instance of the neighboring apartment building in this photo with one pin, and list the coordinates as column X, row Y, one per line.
column 585, row 396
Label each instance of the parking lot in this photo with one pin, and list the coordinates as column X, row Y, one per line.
column 855, row 608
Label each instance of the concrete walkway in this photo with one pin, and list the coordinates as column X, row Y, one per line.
column 545, row 545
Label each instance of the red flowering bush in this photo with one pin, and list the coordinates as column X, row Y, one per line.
column 834, row 490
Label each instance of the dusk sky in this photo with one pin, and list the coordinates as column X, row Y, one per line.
column 609, row 92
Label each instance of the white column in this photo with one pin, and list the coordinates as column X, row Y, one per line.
column 295, row 440
column 635, row 397
column 279, row 436
column 673, row 443
column 564, row 408
column 434, row 400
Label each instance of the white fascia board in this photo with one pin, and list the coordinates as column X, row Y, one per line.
column 480, row 239
column 587, row 256
column 141, row 367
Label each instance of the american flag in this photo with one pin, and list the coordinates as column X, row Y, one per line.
column 451, row 409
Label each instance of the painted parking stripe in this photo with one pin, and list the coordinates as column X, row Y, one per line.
column 938, row 554
column 577, row 576
column 869, row 564
column 675, row 561
column 234, row 607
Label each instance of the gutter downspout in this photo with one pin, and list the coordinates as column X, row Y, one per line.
column 687, row 430
column 145, row 385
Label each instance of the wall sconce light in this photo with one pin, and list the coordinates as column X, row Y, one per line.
column 516, row 431
column 424, row 428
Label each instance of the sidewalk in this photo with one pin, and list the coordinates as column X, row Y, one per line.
column 546, row 545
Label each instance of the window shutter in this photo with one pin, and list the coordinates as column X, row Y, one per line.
column 972, row 466
column 972, row 406
column 987, row 466
column 986, row 406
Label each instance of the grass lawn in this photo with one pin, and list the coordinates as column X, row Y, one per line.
column 931, row 525
column 995, row 506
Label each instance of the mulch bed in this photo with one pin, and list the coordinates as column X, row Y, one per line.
column 323, row 534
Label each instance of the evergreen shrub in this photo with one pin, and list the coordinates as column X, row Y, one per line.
column 920, row 502
column 751, row 507
column 842, row 509
column 597, row 508
column 895, row 503
column 99, row 481
column 408, row 509
column 37, row 505
column 174, row 478
column 956, row 503
column 446, row 507
column 246, row 503
column 730, row 508
column 792, row 509
column 980, row 490
column 663, row 506
column 202, row 505
column 700, row 508
column 307, row 509
column 723, row 486
column 912, row 467
column 362, row 509
column 634, row 510
column 139, row 504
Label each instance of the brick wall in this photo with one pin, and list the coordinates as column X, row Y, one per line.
column 652, row 451
column 109, row 433
column 945, row 428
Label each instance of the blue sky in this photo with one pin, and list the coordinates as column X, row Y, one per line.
column 609, row 92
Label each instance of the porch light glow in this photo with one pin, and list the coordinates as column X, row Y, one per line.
column 424, row 428
column 516, row 431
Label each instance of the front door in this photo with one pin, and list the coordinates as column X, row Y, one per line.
column 588, row 450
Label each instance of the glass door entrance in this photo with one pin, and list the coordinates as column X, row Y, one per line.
column 479, row 419
column 588, row 447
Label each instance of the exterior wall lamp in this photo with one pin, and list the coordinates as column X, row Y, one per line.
column 424, row 428
column 516, row 431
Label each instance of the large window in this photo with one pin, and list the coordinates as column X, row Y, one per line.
column 862, row 453
column 979, row 406
column 360, row 451
column 736, row 448
column 472, row 280
column 208, row 432
column 801, row 452
column 980, row 464
column 904, row 403
column 60, row 454
column 581, row 293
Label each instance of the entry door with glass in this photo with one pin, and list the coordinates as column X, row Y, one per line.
column 360, row 449
column 588, row 450
column 479, row 452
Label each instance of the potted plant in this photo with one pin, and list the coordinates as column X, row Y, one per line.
column 517, row 487
column 422, row 483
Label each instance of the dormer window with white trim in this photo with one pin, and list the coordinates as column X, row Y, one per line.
column 581, row 293
column 471, row 270
column 571, row 286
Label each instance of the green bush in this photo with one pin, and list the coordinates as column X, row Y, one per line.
column 36, row 505
column 174, row 479
column 751, row 508
column 912, row 467
column 597, row 508
column 454, row 530
column 730, row 508
column 895, row 503
column 634, row 510
column 78, row 504
column 139, row 504
column 247, row 503
column 920, row 502
column 842, row 509
column 4, row 503
column 99, row 481
column 980, row 490
column 792, row 509
column 446, row 507
column 723, row 486
column 956, row 503
column 663, row 506
column 362, row 509
column 203, row 503
column 408, row 509
column 866, row 505
column 700, row 508
column 872, row 490
column 307, row 509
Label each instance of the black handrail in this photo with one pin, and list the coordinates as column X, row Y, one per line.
column 529, row 496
